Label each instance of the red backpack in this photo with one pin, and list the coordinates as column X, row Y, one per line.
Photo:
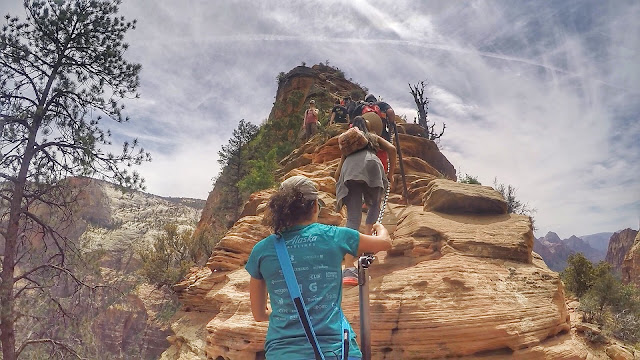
column 372, row 107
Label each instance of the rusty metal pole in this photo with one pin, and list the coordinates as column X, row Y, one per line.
column 405, row 193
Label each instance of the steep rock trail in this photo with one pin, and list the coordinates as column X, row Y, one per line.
column 461, row 279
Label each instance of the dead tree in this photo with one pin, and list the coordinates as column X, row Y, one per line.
column 422, row 103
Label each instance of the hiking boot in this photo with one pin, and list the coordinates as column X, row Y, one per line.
column 350, row 277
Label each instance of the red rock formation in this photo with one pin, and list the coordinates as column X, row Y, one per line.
column 315, row 82
column 631, row 264
column 619, row 244
column 457, row 284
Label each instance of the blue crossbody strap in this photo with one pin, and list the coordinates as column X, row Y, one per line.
column 296, row 296
column 345, row 336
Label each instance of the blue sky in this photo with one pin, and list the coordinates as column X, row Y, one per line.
column 543, row 95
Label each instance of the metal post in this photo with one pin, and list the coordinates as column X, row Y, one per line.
column 405, row 194
column 365, row 319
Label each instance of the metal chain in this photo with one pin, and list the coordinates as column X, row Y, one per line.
column 386, row 194
column 386, row 198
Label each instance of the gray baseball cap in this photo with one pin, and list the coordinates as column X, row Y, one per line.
column 304, row 185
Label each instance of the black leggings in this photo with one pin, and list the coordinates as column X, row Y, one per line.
column 353, row 201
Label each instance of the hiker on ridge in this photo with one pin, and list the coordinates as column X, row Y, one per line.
column 316, row 252
column 310, row 120
column 338, row 114
column 361, row 175
column 386, row 113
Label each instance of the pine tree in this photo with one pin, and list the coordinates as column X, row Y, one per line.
column 61, row 70
column 234, row 158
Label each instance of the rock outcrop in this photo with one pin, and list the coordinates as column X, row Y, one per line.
column 461, row 279
column 631, row 264
column 462, row 282
column 619, row 245
column 130, row 319
column 553, row 250
column 599, row 241
column 556, row 252
column 579, row 245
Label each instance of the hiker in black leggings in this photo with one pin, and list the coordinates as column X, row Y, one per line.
column 359, row 176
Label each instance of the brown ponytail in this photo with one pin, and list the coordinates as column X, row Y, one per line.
column 288, row 208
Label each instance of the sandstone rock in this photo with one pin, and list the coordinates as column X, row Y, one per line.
column 427, row 150
column 124, row 331
column 561, row 347
column 415, row 189
column 631, row 264
column 232, row 333
column 255, row 200
column 508, row 236
column 455, row 198
column 463, row 285
column 327, row 152
column 190, row 340
column 460, row 305
column 412, row 129
column 619, row 244
column 302, row 160
column 233, row 249
column 592, row 328
column 617, row 352
column 417, row 166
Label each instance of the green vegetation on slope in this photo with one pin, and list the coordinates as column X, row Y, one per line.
column 604, row 299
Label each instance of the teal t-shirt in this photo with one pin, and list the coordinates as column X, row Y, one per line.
column 316, row 253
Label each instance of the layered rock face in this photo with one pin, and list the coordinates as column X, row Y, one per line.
column 554, row 252
column 460, row 281
column 580, row 245
column 108, row 221
column 631, row 264
column 295, row 89
column 619, row 244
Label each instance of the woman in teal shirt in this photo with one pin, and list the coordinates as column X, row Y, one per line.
column 316, row 252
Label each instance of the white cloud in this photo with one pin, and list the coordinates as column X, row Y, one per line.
column 544, row 96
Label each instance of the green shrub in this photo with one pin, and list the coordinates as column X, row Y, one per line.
column 468, row 179
column 595, row 337
column 604, row 299
column 260, row 175
column 578, row 276
column 168, row 260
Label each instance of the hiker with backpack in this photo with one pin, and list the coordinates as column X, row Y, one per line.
column 305, row 321
column 310, row 122
column 361, row 175
column 382, row 109
column 338, row 114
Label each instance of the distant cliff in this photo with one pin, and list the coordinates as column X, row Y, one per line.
column 131, row 321
column 631, row 264
column 555, row 251
column 619, row 245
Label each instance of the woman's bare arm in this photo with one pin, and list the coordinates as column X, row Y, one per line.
column 258, row 298
column 374, row 243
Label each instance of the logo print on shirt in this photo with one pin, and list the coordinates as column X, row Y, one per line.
column 313, row 287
